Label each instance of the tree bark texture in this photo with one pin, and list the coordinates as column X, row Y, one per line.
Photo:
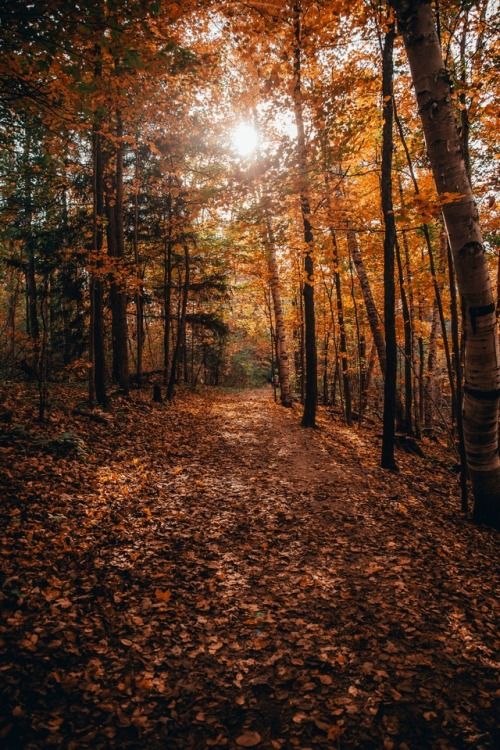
column 482, row 356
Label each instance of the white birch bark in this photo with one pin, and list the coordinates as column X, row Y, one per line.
column 482, row 356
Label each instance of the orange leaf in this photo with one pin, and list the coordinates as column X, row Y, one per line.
column 163, row 596
column 248, row 739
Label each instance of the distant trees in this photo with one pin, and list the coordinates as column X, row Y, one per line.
column 82, row 194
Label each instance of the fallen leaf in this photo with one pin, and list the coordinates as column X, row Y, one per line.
column 249, row 739
column 163, row 596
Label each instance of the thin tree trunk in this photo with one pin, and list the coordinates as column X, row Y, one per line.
column 325, row 367
column 432, row 265
column 139, row 295
column 431, row 366
column 458, row 418
column 367, row 380
column 300, row 353
column 338, row 285
column 390, row 380
column 42, row 364
column 411, row 311
column 311, row 386
column 97, row 384
column 360, row 344
column 342, row 331
column 116, row 248
column 371, row 310
column 421, row 365
column 14, row 284
column 272, row 339
column 482, row 356
column 281, row 347
column 167, row 293
column 181, row 327
column 407, row 424
column 32, row 325
column 329, row 294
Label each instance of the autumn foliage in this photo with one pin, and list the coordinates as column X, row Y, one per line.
column 209, row 211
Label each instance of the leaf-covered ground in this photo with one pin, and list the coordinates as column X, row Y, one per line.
column 210, row 575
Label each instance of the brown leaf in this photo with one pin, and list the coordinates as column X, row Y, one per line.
column 248, row 739
column 163, row 596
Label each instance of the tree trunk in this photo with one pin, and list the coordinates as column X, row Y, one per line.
column 139, row 295
column 407, row 422
column 280, row 333
column 457, row 416
column 32, row 326
column 43, row 353
column 181, row 327
column 411, row 311
column 272, row 339
column 387, row 459
column 311, row 365
column 435, row 281
column 371, row 310
column 116, row 248
column 360, row 345
column 367, row 380
column 429, row 376
column 97, row 377
column 482, row 371
column 167, row 292
column 337, row 280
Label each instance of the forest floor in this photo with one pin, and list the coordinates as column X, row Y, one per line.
column 210, row 575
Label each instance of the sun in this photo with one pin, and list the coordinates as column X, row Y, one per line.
column 244, row 139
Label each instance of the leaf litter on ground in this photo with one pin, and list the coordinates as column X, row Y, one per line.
column 208, row 574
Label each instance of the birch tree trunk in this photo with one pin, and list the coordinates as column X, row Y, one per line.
column 482, row 371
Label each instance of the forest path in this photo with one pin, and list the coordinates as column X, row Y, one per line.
column 216, row 576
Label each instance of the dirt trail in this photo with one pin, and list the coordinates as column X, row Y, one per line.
column 229, row 577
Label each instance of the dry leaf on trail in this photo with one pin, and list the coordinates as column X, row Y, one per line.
column 163, row 596
column 249, row 598
column 249, row 739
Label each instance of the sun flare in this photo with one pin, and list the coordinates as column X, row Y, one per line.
column 244, row 139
